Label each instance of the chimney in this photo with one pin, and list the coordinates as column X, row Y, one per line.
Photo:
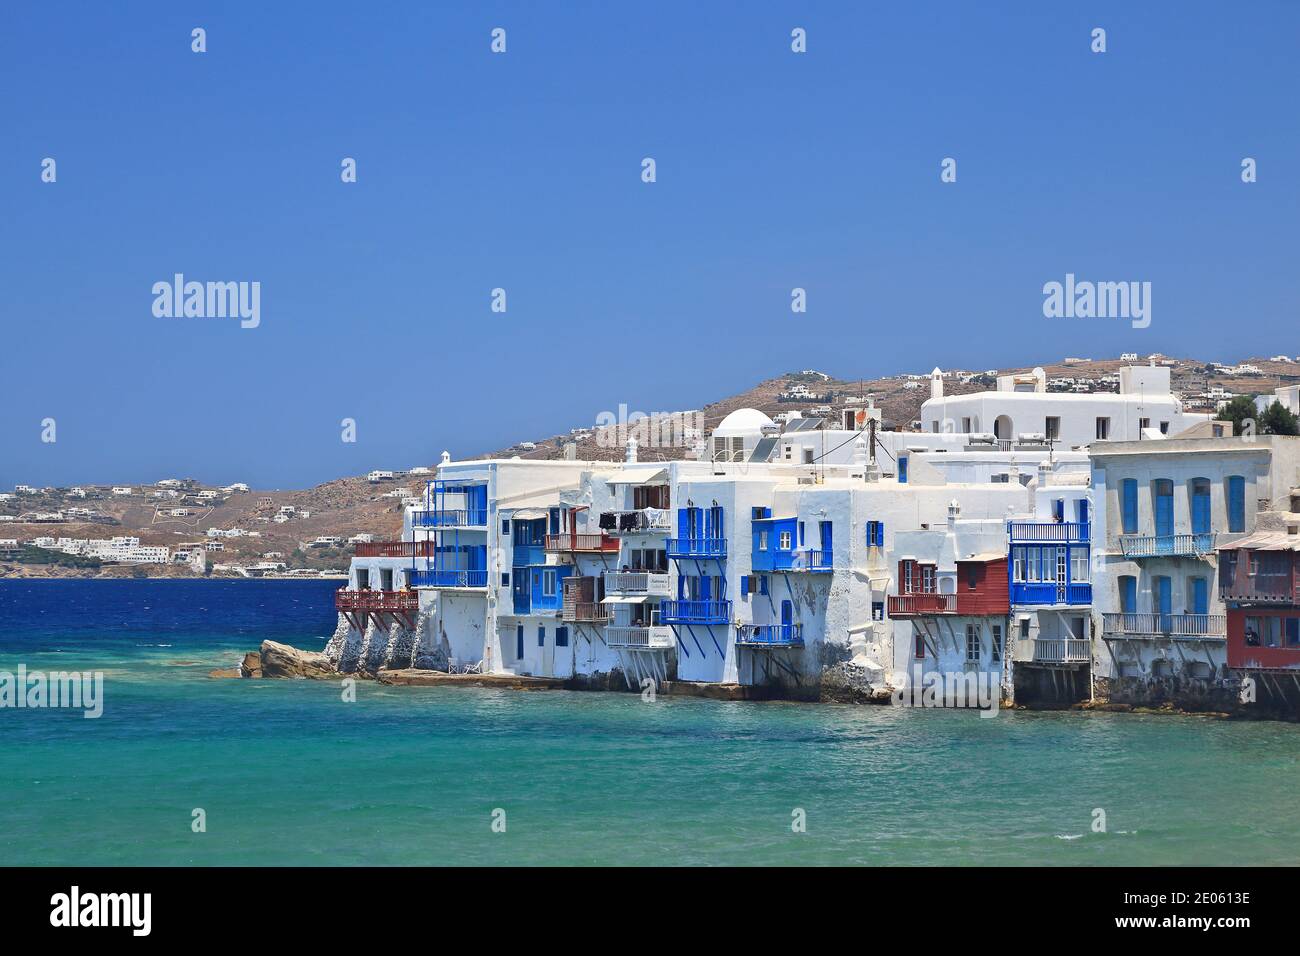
column 445, row 459
column 630, row 456
column 954, row 512
column 936, row 383
column 570, row 451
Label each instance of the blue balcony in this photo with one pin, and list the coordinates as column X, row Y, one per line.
column 1048, row 532
column 770, row 635
column 455, row 518
column 697, row 547
column 1199, row 545
column 807, row 559
column 528, row 554
column 444, row 578
column 1051, row 594
column 695, row 612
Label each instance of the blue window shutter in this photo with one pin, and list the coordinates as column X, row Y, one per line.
column 541, row 635
column 902, row 469
column 744, row 585
column 1200, row 596
column 762, row 584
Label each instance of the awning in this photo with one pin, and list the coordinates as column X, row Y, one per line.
column 528, row 514
column 639, row 476
column 626, row 599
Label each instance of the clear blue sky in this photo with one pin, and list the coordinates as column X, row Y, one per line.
column 522, row 171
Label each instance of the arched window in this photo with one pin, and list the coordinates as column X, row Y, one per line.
column 1002, row 428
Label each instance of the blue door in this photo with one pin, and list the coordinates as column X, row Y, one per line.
column 1200, row 506
column 1164, row 494
column 1128, row 594
column 1200, row 596
column 902, row 470
column 787, row 620
column 519, row 643
column 827, row 544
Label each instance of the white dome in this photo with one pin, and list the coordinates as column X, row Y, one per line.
column 743, row 421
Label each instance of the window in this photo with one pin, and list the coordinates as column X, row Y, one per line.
column 908, row 571
column 965, row 425
column 972, row 643
column 1079, row 565
column 997, row 642
column 1103, row 429
column 972, row 577
column 561, row 637
column 1236, row 503
column 807, row 456
column 1293, row 632
column 548, row 583
column 875, row 534
column 762, row 584
column 505, row 579
column 877, row 610
column 1017, row 564
column 762, row 541
column 1143, row 425
column 902, row 469
column 505, row 526
column 918, row 647
column 1129, row 498
column 1053, row 427
column 1024, row 628
column 1216, row 431
column 1164, row 428
column 927, row 578
column 541, row 635
column 1128, row 594
column 784, row 544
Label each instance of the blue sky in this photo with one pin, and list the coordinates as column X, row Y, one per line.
column 522, row 171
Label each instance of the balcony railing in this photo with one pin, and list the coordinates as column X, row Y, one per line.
column 1051, row 593
column 770, row 635
column 695, row 612
column 636, row 583
column 376, row 600
column 1032, row 532
column 652, row 637
column 443, row 578
column 644, row 521
column 454, row 518
column 1147, row 625
column 907, row 605
column 1055, row 651
column 697, row 547
column 394, row 549
column 584, row 612
column 572, row 541
column 1168, row 546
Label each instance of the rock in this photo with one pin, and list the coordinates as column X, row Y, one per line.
column 226, row 672
column 281, row 660
column 251, row 666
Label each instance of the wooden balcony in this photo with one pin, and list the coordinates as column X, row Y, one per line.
column 1197, row 545
column 1057, row 651
column 394, row 549
column 572, row 542
column 647, row 637
column 964, row 604
column 384, row 607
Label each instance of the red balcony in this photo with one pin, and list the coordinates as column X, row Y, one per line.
column 913, row 605
column 964, row 604
column 585, row 543
column 1260, row 575
column 360, row 606
column 395, row 549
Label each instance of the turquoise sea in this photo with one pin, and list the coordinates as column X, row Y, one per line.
column 289, row 773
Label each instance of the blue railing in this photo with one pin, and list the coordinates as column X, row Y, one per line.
column 1197, row 545
column 771, row 635
column 697, row 547
column 455, row 518
column 1048, row 532
column 695, row 612
column 1049, row 592
column 444, row 578
column 814, row 559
